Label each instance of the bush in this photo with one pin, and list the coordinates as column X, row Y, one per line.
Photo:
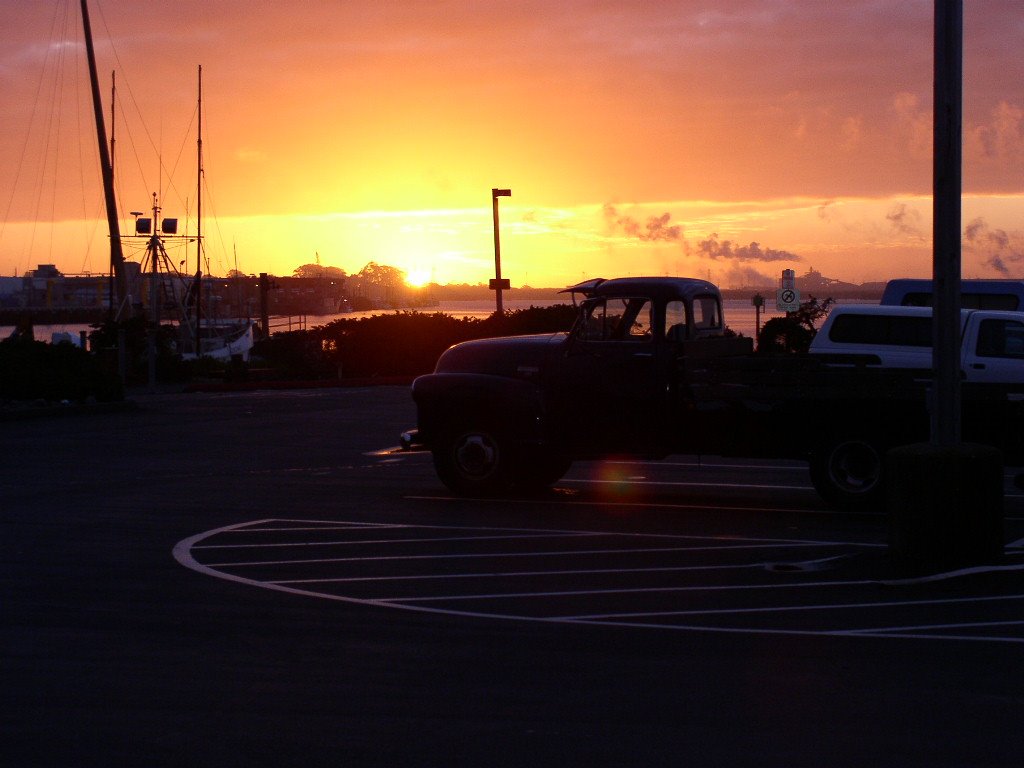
column 33, row 370
column 793, row 333
column 396, row 344
column 169, row 365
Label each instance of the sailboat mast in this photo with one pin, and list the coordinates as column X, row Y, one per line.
column 199, row 219
column 106, row 168
column 199, row 178
column 113, row 117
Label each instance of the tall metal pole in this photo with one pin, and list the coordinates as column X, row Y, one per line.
column 498, row 283
column 113, row 156
column 106, row 168
column 199, row 220
column 946, row 213
column 199, row 176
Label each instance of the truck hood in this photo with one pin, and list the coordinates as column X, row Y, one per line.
column 518, row 357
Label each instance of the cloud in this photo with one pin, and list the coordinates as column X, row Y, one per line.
column 914, row 124
column 851, row 132
column 743, row 276
column 657, row 228
column 1003, row 137
column 716, row 249
column 994, row 248
column 904, row 220
column 827, row 211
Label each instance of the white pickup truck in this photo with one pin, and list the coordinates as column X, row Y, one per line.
column 992, row 342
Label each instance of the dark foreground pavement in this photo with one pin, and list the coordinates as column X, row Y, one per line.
column 114, row 654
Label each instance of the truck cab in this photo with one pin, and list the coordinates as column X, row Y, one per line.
column 616, row 387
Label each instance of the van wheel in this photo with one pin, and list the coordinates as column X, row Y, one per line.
column 849, row 473
column 475, row 460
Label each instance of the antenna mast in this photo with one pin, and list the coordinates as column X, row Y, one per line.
column 113, row 116
column 199, row 178
column 199, row 219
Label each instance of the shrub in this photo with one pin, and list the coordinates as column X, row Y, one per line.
column 396, row 344
column 793, row 333
column 33, row 370
column 169, row 365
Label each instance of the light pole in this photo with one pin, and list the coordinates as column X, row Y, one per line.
column 947, row 175
column 498, row 284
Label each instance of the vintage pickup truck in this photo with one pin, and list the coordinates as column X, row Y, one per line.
column 649, row 369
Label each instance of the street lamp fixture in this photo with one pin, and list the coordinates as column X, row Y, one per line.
column 498, row 284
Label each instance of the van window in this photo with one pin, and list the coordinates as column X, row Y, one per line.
column 968, row 300
column 882, row 329
column 1001, row 338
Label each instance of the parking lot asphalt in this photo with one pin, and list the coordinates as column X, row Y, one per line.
column 255, row 579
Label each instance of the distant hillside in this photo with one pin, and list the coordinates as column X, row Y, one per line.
column 813, row 283
column 479, row 292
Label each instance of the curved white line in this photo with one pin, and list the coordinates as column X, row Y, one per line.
column 182, row 553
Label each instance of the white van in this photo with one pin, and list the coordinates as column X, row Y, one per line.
column 992, row 342
column 974, row 293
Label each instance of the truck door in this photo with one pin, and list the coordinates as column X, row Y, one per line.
column 994, row 351
column 608, row 394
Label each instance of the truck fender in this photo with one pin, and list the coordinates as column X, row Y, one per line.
column 444, row 399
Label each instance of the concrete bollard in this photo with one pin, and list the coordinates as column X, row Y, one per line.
column 945, row 505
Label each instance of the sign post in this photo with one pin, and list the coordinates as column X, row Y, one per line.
column 497, row 284
column 787, row 297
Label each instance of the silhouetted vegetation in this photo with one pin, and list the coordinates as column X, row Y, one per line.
column 793, row 333
column 396, row 344
column 34, row 370
column 103, row 340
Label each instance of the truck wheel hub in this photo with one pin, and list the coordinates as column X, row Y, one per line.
column 476, row 454
column 855, row 467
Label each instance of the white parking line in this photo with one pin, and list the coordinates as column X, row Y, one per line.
column 922, row 627
column 525, row 574
column 361, row 542
column 492, row 555
column 624, row 591
column 187, row 550
column 791, row 608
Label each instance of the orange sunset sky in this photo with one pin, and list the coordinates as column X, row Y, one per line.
column 728, row 139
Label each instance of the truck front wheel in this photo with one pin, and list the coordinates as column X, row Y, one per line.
column 849, row 473
column 475, row 460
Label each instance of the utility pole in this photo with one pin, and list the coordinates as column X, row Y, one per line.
column 498, row 284
column 946, row 213
column 945, row 497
